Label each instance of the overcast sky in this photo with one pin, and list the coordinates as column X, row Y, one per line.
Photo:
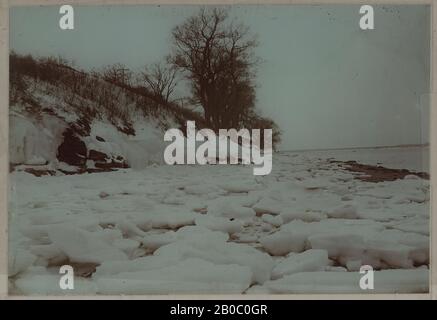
column 325, row 82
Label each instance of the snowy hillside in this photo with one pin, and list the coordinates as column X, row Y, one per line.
column 64, row 121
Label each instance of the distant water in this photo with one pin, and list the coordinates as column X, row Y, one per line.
column 415, row 158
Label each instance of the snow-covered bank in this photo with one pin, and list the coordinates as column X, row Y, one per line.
column 306, row 227
column 64, row 120
column 39, row 145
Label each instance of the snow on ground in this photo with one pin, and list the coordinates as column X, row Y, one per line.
column 36, row 143
column 306, row 227
column 29, row 141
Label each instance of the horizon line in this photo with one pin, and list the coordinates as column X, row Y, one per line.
column 362, row 147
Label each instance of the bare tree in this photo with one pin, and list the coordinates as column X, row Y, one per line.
column 160, row 79
column 117, row 74
column 216, row 55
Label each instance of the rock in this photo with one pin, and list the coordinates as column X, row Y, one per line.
column 72, row 150
column 111, row 165
column 39, row 173
column 97, row 155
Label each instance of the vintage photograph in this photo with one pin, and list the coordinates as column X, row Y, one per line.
column 238, row 149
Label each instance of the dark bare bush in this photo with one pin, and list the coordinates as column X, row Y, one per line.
column 159, row 79
column 107, row 94
column 117, row 74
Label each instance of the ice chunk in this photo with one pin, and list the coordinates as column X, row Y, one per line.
column 347, row 247
column 82, row 246
column 198, row 233
column 273, row 220
column 267, row 205
column 126, row 245
column 48, row 252
column 36, row 160
column 310, row 260
column 347, row 211
column 240, row 186
column 110, row 268
column 201, row 189
column 386, row 281
column 173, row 220
column 221, row 252
column 413, row 225
column 230, row 210
column 189, row 233
column 335, row 269
column 288, row 215
column 353, row 265
column 48, row 284
column 164, row 217
column 280, row 243
column 314, row 183
column 247, row 238
column 129, row 229
column 19, row 260
column 189, row 276
column 154, row 241
column 293, row 236
column 219, row 224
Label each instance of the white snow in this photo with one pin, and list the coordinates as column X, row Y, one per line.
column 141, row 150
column 219, row 224
column 83, row 246
column 220, row 252
column 190, row 276
column 347, row 211
column 305, row 228
column 39, row 281
column 19, row 260
column 34, row 143
column 386, row 281
column 310, row 260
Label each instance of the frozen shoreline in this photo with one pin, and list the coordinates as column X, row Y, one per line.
column 219, row 229
column 415, row 157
